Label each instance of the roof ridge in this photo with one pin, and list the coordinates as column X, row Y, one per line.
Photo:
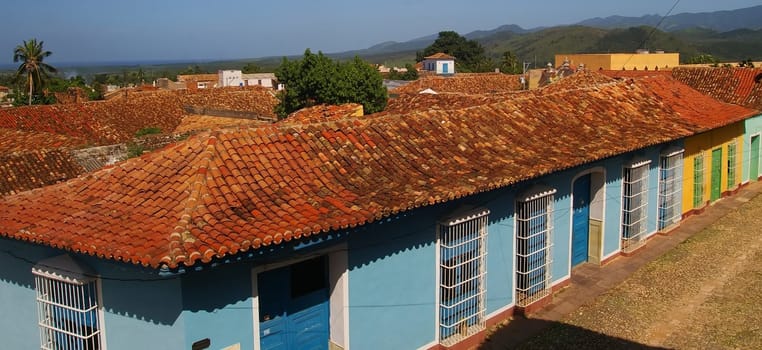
column 181, row 233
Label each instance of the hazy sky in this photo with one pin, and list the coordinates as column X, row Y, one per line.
column 102, row 31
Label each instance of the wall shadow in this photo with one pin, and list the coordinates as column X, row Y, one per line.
column 528, row 333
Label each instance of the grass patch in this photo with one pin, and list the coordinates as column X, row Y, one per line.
column 148, row 131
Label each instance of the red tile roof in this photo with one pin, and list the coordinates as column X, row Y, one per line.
column 195, row 123
column 635, row 73
column 482, row 83
column 229, row 191
column 324, row 113
column 439, row 56
column 741, row 86
column 115, row 121
column 22, row 171
column 19, row 141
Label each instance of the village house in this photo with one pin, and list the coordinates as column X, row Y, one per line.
column 439, row 63
column 432, row 221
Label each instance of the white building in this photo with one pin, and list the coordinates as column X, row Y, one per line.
column 229, row 78
column 440, row 63
column 262, row 79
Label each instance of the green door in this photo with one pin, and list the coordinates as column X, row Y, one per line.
column 754, row 163
column 716, row 174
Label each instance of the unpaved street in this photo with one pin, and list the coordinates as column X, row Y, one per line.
column 704, row 294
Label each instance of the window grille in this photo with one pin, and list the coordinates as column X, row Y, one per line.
column 698, row 180
column 462, row 272
column 67, row 312
column 670, row 189
column 534, row 228
column 731, row 165
column 634, row 205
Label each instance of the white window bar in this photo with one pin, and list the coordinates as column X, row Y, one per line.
column 67, row 313
column 732, row 165
column 462, row 277
column 634, row 205
column 534, row 228
column 698, row 180
column 670, row 189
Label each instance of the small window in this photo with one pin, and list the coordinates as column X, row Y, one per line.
column 68, row 306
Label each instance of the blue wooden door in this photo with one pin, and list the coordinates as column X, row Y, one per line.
column 445, row 68
column 293, row 306
column 580, row 220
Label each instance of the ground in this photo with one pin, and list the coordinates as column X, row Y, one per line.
column 706, row 293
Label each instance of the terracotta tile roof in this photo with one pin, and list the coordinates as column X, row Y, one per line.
column 577, row 80
column 635, row 73
column 18, row 141
column 198, row 77
column 464, row 83
column 699, row 109
column 257, row 99
column 115, row 121
column 229, row 191
column 741, row 86
column 23, row 171
column 324, row 113
column 439, row 56
column 406, row 103
column 194, row 123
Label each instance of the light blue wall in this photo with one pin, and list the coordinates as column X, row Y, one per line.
column 752, row 126
column 18, row 308
column 141, row 310
column 218, row 305
column 137, row 313
column 392, row 279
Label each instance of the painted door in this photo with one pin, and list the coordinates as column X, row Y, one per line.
column 293, row 306
column 580, row 220
column 445, row 68
column 754, row 161
column 716, row 174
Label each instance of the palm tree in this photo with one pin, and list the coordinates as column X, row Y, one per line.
column 31, row 55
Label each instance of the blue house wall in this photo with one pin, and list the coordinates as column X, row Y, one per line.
column 392, row 273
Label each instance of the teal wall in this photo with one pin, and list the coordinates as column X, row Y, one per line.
column 752, row 126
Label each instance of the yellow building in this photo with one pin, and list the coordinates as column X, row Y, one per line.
column 640, row 60
column 712, row 166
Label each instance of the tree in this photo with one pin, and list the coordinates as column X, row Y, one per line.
column 250, row 68
column 316, row 79
column 469, row 54
column 509, row 63
column 31, row 56
column 703, row 59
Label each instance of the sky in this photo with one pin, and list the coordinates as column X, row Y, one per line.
column 192, row 30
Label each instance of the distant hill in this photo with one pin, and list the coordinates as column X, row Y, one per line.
column 720, row 21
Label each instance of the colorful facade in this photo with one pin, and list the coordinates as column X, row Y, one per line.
column 431, row 225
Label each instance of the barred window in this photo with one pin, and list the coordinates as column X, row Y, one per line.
column 731, row 165
column 67, row 307
column 698, row 180
column 634, row 205
column 462, row 252
column 534, row 228
column 670, row 188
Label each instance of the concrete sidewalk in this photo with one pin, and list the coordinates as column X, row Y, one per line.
column 589, row 281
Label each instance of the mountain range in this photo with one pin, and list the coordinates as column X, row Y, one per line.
column 727, row 35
